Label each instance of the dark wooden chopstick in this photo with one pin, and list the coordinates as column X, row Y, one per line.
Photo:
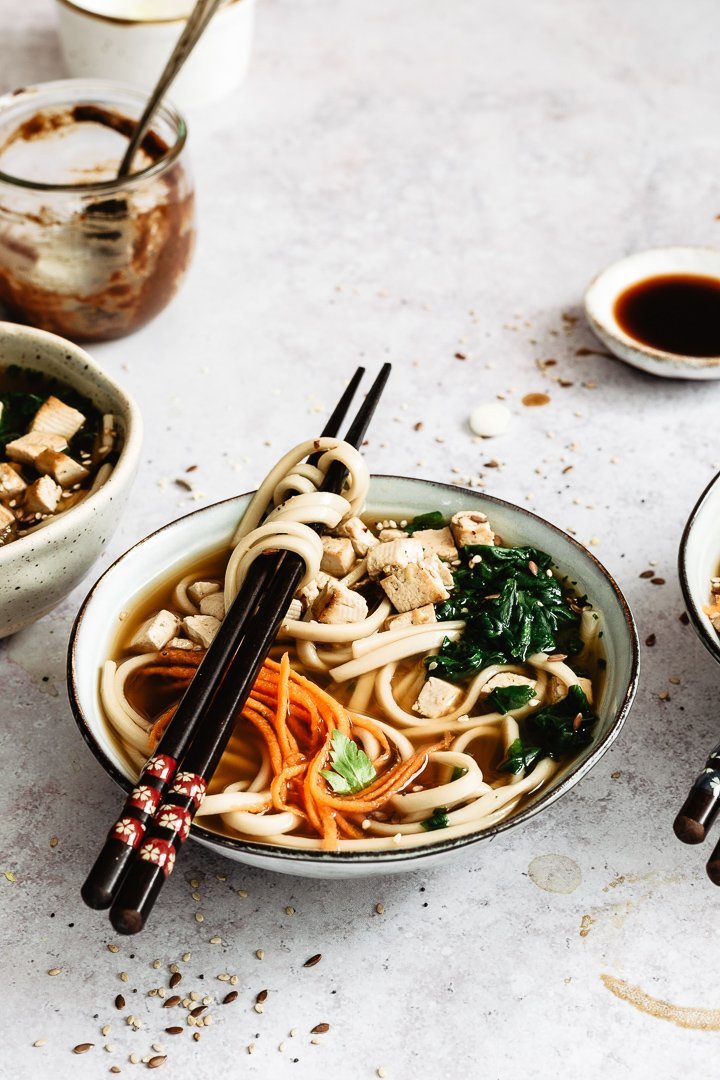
column 702, row 805
column 170, row 826
column 127, row 832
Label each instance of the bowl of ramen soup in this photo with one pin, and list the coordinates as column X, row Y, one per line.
column 69, row 447
column 450, row 665
column 699, row 567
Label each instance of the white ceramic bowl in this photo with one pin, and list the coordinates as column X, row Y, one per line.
column 131, row 40
column 607, row 287
column 184, row 540
column 699, row 560
column 39, row 570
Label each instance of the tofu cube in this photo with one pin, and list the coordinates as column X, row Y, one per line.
column 470, row 527
column 294, row 611
column 7, row 519
column 437, row 698
column 28, row 447
column 64, row 469
column 418, row 617
column 338, row 555
column 438, row 542
column 394, row 555
column 11, row 482
column 414, row 586
column 338, row 604
column 359, row 535
column 557, row 690
column 310, row 592
column 213, row 604
column 507, row 678
column 443, row 571
column 156, row 632
column 202, row 589
column 42, row 496
column 61, row 419
column 201, row 628
column 182, row 643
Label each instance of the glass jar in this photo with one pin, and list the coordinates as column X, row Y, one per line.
column 83, row 254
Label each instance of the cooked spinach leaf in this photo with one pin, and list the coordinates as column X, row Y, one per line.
column 438, row 819
column 512, row 608
column 505, row 698
column 562, row 728
column 432, row 520
column 520, row 757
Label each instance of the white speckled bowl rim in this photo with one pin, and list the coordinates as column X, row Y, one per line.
column 127, row 459
column 614, row 279
column 699, row 620
column 409, row 854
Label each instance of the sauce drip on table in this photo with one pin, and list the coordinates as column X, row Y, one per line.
column 677, row 313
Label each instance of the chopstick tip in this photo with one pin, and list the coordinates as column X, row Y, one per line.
column 688, row 830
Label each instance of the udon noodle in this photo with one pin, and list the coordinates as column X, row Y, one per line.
column 406, row 697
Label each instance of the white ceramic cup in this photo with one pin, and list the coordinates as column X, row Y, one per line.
column 131, row 40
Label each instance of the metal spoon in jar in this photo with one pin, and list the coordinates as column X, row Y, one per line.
column 198, row 20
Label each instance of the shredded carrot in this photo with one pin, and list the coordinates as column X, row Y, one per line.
column 295, row 720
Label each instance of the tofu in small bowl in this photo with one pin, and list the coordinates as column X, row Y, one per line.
column 69, row 447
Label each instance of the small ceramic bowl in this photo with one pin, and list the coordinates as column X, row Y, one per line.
column 182, row 542
column 39, row 570
column 699, row 560
column 131, row 40
column 606, row 288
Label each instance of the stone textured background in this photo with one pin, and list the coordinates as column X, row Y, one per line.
column 406, row 181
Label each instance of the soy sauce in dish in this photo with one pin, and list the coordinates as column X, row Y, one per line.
column 677, row 313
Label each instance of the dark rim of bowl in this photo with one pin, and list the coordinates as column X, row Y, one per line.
column 217, row 840
column 699, row 620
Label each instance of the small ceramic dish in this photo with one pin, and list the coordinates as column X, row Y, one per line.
column 602, row 295
column 130, row 41
column 184, row 541
column 37, row 571
column 699, row 560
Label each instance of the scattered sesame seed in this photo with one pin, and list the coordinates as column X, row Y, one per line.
column 199, row 917
column 194, row 996
column 251, row 1048
column 289, row 910
column 119, row 1002
column 82, row 1048
column 54, row 971
column 242, row 892
column 115, row 1069
column 174, row 1030
column 172, row 1001
column 259, row 1007
column 260, row 953
column 674, row 680
column 281, row 1048
column 208, row 1021
column 313, row 960
column 207, row 1000
column 54, row 841
column 382, row 1072
column 134, row 1059
column 113, row 948
column 195, row 883
column 380, row 909
column 109, row 1048
column 196, row 1036
column 105, row 1030
column 161, row 992
column 186, row 957
column 40, row 1042
column 229, row 998
column 158, row 1048
column 224, row 977
column 198, row 1011
column 174, row 969
column 156, row 1062
column 234, row 980
column 124, row 976
column 216, row 940
column 175, row 978
column 320, row 1029
column 196, row 896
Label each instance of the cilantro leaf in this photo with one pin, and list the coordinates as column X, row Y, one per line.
column 352, row 770
column 438, row 819
column 432, row 520
column 520, row 757
column 505, row 698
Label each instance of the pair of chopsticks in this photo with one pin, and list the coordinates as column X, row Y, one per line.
column 699, row 811
column 140, row 850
